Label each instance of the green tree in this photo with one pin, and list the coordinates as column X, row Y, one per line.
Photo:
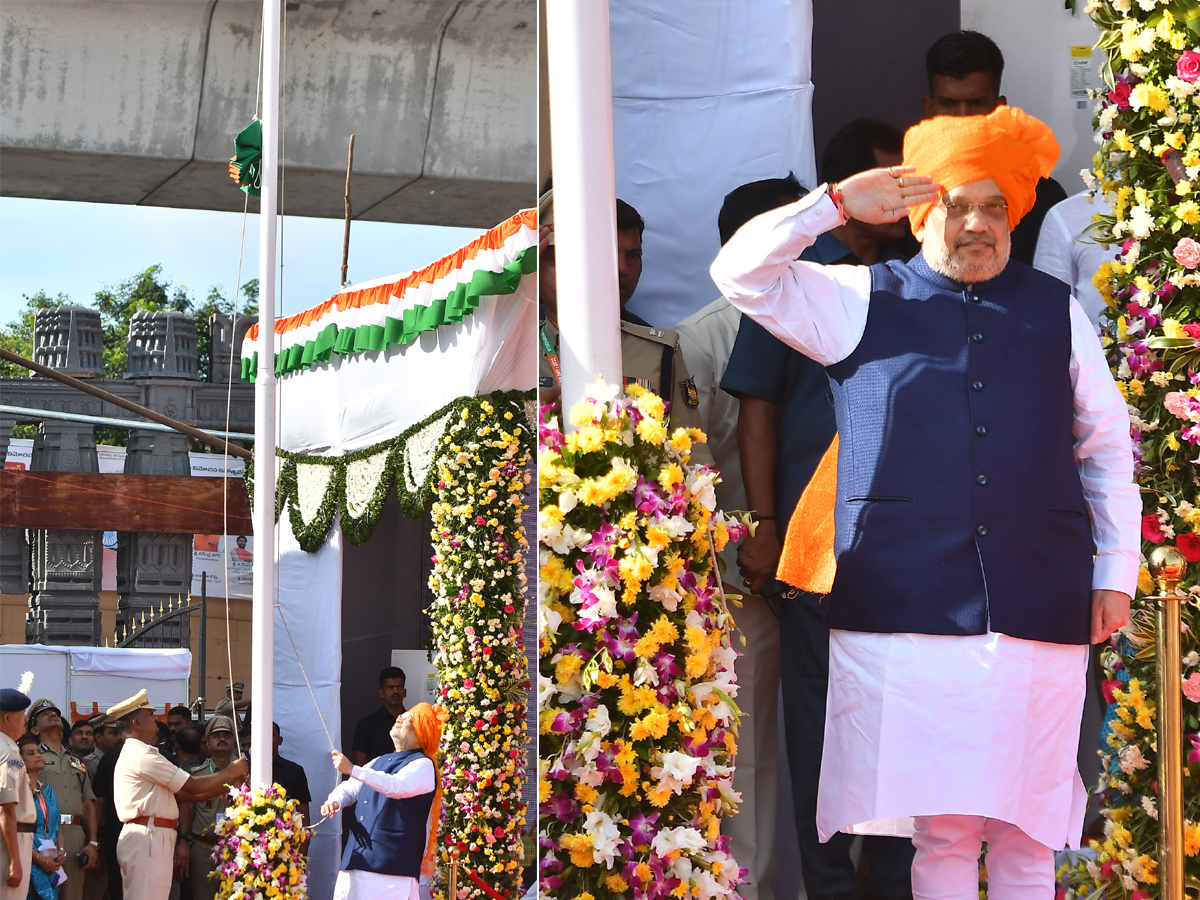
column 215, row 302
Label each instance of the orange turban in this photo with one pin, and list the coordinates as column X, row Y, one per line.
column 427, row 725
column 1006, row 145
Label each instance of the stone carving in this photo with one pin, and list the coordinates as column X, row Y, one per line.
column 69, row 339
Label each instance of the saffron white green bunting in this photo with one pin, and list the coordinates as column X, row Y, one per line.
column 394, row 311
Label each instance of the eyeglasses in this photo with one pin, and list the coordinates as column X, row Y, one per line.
column 992, row 210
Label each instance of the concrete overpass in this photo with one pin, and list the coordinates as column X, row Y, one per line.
column 138, row 101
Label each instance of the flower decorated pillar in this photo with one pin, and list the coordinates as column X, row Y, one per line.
column 1145, row 171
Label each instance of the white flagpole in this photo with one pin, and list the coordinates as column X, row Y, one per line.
column 579, row 62
column 262, row 646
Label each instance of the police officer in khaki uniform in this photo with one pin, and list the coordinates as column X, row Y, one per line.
column 649, row 356
column 145, row 789
column 79, row 820
column 197, row 821
column 234, row 702
column 17, row 814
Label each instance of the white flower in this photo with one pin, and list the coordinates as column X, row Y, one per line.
column 1149, row 807
column 1088, row 178
column 674, row 526
column 1131, row 759
column 567, row 501
column 668, row 597
column 645, row 673
column 702, row 487
column 682, row 838
column 562, row 538
column 1147, row 5
column 546, row 690
column 677, row 770
column 604, row 609
column 1141, row 222
column 1121, row 6
column 605, row 835
column 1192, row 659
column 602, row 392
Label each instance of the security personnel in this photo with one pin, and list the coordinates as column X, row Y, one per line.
column 17, row 813
column 233, row 695
column 649, row 356
column 79, row 821
column 145, row 787
column 197, row 821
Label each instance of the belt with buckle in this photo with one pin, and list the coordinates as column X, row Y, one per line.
column 70, row 820
column 156, row 821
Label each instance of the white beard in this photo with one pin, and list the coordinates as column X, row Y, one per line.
column 947, row 262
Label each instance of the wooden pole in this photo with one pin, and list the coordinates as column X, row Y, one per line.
column 104, row 395
column 346, row 238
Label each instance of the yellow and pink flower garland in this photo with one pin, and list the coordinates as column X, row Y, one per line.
column 636, row 689
column 1146, row 173
column 477, row 616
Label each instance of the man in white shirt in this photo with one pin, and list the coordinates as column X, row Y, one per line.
column 397, row 798
column 984, row 447
column 1066, row 250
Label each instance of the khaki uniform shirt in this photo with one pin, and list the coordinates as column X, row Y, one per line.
column 69, row 778
column 643, row 352
column 204, row 812
column 144, row 783
column 14, row 781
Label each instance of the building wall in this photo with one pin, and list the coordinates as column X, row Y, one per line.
column 1036, row 38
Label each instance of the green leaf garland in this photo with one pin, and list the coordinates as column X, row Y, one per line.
column 411, row 465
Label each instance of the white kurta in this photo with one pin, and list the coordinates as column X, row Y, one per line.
column 983, row 725
column 414, row 779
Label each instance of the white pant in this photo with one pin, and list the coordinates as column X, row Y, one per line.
column 946, row 866
column 147, row 857
column 25, row 848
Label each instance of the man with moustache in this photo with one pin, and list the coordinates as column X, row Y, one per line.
column 17, row 813
column 146, row 792
column 197, row 821
column 79, row 828
column 984, row 458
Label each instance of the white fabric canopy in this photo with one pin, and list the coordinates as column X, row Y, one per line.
column 153, row 665
column 706, row 96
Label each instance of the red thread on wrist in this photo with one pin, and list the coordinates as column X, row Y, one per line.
column 835, row 194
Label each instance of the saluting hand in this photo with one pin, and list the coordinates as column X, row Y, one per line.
column 341, row 763
column 880, row 196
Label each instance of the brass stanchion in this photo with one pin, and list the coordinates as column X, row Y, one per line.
column 453, row 875
column 1167, row 567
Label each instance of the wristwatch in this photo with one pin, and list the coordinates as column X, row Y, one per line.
column 95, row 844
column 186, row 837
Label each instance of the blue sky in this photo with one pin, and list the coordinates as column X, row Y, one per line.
column 76, row 248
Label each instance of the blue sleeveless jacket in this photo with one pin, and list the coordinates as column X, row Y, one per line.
column 388, row 836
column 959, row 505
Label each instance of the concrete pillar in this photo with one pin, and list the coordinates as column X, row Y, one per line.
column 14, row 552
column 65, row 565
column 152, row 567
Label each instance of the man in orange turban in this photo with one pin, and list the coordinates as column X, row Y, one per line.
column 986, row 520
column 397, row 797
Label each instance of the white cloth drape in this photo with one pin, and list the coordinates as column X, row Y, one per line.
column 706, row 97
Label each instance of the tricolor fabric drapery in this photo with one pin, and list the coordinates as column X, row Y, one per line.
column 359, row 369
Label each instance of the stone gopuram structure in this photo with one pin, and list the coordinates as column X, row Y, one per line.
column 61, row 569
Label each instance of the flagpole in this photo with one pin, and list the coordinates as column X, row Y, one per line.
column 579, row 63
column 262, row 646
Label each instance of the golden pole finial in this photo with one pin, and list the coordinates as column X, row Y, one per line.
column 1167, row 567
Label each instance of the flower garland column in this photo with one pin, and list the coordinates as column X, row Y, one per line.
column 636, row 713
column 1145, row 172
column 477, row 618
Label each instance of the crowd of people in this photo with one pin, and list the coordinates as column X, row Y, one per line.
column 125, row 806
column 933, row 577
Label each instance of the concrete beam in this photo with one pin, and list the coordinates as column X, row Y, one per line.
column 138, row 101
